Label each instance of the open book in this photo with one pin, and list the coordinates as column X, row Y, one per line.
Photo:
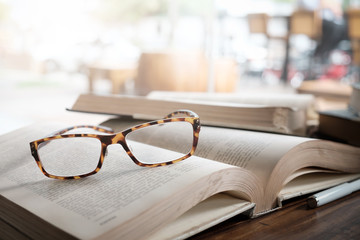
column 233, row 171
column 279, row 119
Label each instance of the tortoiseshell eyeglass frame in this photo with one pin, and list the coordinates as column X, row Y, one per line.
column 118, row 138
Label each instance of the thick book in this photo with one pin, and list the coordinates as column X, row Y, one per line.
column 233, row 171
column 340, row 125
column 286, row 120
column 343, row 124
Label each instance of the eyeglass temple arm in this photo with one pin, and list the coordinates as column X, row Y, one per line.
column 97, row 128
column 186, row 112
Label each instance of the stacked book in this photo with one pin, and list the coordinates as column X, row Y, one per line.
column 343, row 124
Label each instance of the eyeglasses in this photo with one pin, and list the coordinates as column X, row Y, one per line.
column 152, row 144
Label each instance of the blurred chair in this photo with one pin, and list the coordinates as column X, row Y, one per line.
column 301, row 22
column 169, row 71
column 354, row 33
column 258, row 24
column 307, row 23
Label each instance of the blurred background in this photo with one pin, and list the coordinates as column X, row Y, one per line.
column 53, row 50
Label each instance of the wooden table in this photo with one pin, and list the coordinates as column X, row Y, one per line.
column 337, row 220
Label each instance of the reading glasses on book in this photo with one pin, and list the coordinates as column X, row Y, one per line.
column 152, row 144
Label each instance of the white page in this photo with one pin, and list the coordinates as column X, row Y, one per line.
column 256, row 151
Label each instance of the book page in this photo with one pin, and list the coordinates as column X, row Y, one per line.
column 272, row 158
column 92, row 206
column 256, row 151
column 219, row 207
column 310, row 183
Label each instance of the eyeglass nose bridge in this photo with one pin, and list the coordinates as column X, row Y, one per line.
column 118, row 138
column 112, row 140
